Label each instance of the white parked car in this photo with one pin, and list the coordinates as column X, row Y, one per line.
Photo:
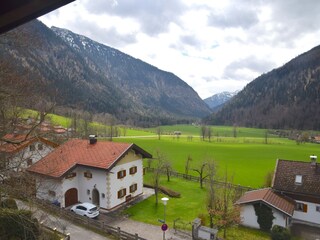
column 86, row 209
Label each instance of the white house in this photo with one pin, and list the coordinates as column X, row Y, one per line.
column 301, row 182
column 281, row 207
column 20, row 151
column 293, row 198
column 107, row 174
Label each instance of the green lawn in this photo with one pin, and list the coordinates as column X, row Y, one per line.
column 191, row 204
column 247, row 159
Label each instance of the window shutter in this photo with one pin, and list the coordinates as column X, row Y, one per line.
column 305, row 208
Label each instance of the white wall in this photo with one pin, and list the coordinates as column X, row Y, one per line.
column 249, row 218
column 19, row 160
column 44, row 185
column 126, row 182
column 310, row 216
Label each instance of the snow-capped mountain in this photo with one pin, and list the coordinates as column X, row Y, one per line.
column 216, row 101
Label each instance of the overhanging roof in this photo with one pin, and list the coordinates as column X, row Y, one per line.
column 16, row 12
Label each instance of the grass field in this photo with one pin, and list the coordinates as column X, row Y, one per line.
column 247, row 159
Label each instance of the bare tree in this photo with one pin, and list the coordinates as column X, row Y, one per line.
column 159, row 161
column 225, row 213
column 158, row 130
column 201, row 170
column 211, row 193
column 167, row 166
column 203, row 132
column 187, row 166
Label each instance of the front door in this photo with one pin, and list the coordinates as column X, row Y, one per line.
column 95, row 197
column 71, row 197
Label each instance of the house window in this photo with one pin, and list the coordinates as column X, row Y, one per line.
column 51, row 193
column 301, row 207
column 133, row 170
column 71, row 175
column 32, row 147
column 88, row 191
column 40, row 146
column 298, row 180
column 88, row 174
column 121, row 174
column 133, row 188
column 29, row 161
column 103, row 195
column 122, row 193
column 318, row 208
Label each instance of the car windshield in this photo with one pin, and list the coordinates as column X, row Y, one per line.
column 93, row 209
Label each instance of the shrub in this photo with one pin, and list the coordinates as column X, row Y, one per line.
column 280, row 233
column 9, row 203
column 265, row 216
column 18, row 224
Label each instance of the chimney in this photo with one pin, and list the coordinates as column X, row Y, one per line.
column 92, row 139
column 313, row 160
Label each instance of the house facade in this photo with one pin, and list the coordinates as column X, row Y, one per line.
column 107, row 174
column 281, row 207
column 301, row 182
column 20, row 151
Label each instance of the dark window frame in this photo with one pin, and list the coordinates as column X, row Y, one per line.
column 133, row 188
column 133, row 170
column 122, row 193
column 121, row 174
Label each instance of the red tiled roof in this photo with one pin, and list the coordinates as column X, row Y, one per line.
column 285, row 174
column 102, row 154
column 15, row 142
column 269, row 197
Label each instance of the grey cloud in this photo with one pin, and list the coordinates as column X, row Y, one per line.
column 190, row 40
column 252, row 63
column 237, row 14
column 154, row 16
column 289, row 21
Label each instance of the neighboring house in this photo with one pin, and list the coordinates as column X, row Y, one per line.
column 301, row 182
column 19, row 151
column 293, row 198
column 107, row 174
column 282, row 207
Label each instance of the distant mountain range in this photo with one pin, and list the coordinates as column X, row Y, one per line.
column 285, row 98
column 80, row 73
column 216, row 101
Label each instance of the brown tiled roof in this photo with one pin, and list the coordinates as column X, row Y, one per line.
column 102, row 154
column 270, row 198
column 285, row 175
column 13, row 143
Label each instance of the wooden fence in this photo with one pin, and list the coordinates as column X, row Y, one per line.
column 93, row 223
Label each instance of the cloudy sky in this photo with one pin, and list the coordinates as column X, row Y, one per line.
column 212, row 45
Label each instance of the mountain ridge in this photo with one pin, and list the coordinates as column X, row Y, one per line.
column 82, row 73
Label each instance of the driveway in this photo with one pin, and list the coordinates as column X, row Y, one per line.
column 111, row 218
column 305, row 232
column 62, row 225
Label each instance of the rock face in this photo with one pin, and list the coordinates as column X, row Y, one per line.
column 285, row 98
column 78, row 72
